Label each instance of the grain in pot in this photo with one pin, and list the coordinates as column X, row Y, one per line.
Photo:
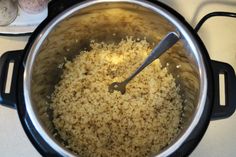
column 96, row 123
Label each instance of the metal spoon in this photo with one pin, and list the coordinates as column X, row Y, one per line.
column 169, row 40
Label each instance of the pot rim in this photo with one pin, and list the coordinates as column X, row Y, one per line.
column 158, row 9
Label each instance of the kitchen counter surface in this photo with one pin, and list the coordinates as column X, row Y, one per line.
column 218, row 34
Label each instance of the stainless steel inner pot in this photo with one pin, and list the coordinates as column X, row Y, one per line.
column 72, row 31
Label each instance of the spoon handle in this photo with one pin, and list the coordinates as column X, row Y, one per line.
column 169, row 40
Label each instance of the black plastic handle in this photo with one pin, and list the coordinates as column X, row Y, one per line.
column 228, row 109
column 220, row 111
column 9, row 99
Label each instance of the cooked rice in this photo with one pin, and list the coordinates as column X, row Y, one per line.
column 96, row 123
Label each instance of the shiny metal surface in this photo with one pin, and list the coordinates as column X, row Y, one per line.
column 73, row 30
column 166, row 43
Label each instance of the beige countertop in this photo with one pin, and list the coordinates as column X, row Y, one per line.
column 218, row 34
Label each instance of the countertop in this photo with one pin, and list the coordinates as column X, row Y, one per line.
column 219, row 37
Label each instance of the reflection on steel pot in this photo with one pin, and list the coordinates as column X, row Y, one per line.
column 71, row 25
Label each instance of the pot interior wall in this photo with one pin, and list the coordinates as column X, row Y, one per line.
column 109, row 23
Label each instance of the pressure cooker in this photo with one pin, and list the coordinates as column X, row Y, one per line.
column 71, row 25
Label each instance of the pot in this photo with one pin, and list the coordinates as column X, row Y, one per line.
column 69, row 28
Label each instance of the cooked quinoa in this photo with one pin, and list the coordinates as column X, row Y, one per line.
column 96, row 123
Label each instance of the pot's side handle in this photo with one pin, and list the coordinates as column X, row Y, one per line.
column 220, row 111
column 57, row 6
column 9, row 99
column 224, row 111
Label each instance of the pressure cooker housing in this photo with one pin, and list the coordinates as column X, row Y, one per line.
column 41, row 137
